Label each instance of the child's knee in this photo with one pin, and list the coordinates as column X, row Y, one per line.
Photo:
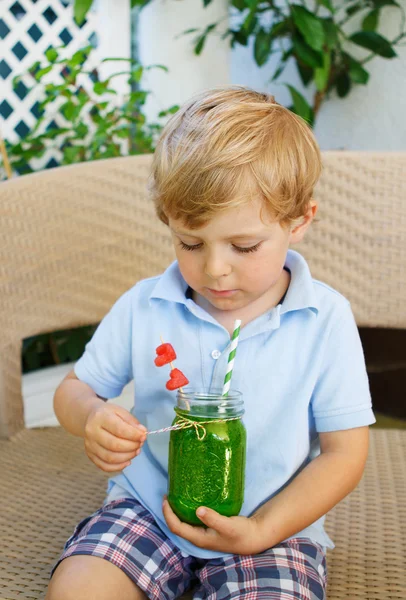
column 82, row 577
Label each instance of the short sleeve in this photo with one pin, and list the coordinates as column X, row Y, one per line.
column 341, row 397
column 106, row 364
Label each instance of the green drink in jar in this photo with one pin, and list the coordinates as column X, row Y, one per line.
column 207, row 458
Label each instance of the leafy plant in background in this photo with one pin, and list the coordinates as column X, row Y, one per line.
column 55, row 348
column 320, row 36
column 320, row 39
column 82, row 7
column 94, row 125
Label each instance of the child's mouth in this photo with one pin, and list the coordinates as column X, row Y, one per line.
column 221, row 293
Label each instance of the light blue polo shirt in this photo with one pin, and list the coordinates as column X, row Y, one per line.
column 300, row 368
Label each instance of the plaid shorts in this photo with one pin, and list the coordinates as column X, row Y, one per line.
column 125, row 533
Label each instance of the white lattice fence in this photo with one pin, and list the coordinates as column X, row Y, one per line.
column 27, row 29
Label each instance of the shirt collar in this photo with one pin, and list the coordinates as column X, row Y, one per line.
column 170, row 286
column 300, row 295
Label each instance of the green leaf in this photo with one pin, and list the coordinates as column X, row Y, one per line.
column 123, row 132
column 118, row 59
column 51, row 54
column 306, row 54
column 206, row 3
column 280, row 28
column 138, row 97
column 331, row 33
column 70, row 110
column 202, row 39
column 240, row 37
column 100, row 87
column 82, row 130
column 351, row 10
column 187, row 31
column 375, row 42
column 300, row 105
column 239, row 4
column 169, row 111
column 162, row 67
column 34, row 68
column 78, row 58
column 306, row 73
column 54, row 132
column 380, row 3
column 343, row 84
column 80, row 10
column 370, row 22
column 262, row 47
column 321, row 75
column 356, row 71
column 136, row 74
column 249, row 23
column 140, row 3
column 278, row 71
column 327, row 4
column 200, row 44
column 310, row 27
column 42, row 72
column 73, row 154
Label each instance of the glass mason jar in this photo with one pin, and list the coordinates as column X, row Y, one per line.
column 207, row 462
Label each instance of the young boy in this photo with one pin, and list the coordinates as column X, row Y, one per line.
column 233, row 178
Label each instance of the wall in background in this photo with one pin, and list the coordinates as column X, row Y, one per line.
column 159, row 40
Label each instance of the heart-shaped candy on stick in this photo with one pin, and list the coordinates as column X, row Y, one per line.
column 177, row 380
column 166, row 354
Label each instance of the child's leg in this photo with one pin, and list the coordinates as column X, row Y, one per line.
column 295, row 569
column 120, row 546
column 84, row 577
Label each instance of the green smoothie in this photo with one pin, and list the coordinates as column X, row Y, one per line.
column 208, row 472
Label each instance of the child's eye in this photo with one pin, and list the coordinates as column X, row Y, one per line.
column 187, row 247
column 245, row 250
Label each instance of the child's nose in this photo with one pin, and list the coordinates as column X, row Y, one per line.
column 216, row 267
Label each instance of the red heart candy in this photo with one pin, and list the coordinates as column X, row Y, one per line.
column 166, row 354
column 177, row 380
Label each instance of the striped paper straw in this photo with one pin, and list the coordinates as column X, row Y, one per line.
column 231, row 357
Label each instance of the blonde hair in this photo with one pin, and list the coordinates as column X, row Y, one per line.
column 224, row 147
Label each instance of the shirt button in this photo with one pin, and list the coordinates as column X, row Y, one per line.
column 216, row 354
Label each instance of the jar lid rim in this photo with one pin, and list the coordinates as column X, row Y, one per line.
column 200, row 394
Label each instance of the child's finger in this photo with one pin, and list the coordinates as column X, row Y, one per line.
column 130, row 419
column 116, row 444
column 115, row 425
column 223, row 525
column 113, row 458
column 195, row 534
column 107, row 467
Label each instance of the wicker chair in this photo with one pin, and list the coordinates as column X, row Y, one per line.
column 75, row 238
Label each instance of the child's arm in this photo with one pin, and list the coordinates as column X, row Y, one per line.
column 111, row 434
column 319, row 487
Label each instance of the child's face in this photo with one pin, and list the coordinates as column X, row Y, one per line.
column 236, row 259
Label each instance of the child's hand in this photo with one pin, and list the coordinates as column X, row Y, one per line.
column 237, row 535
column 113, row 437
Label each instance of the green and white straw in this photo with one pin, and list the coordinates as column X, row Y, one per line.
column 231, row 357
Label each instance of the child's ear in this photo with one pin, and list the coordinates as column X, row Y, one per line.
column 299, row 230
